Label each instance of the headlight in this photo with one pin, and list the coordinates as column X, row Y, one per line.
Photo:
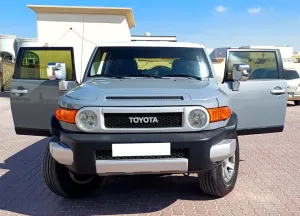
column 86, row 120
column 197, row 118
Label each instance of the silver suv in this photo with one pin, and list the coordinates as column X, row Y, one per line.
column 145, row 108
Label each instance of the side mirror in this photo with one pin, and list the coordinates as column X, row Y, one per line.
column 239, row 72
column 56, row 70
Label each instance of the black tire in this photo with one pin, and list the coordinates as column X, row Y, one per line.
column 58, row 178
column 213, row 183
column 297, row 103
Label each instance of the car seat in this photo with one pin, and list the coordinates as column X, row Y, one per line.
column 186, row 67
column 179, row 66
column 128, row 67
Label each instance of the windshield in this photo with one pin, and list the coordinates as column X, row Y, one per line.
column 291, row 74
column 156, row 62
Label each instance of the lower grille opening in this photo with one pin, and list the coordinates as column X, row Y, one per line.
column 175, row 153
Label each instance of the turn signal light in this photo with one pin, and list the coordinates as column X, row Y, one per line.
column 66, row 115
column 219, row 114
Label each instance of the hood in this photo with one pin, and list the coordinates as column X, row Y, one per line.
column 104, row 90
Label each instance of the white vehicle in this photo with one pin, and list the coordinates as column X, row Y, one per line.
column 293, row 80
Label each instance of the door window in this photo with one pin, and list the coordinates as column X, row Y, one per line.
column 263, row 64
column 34, row 62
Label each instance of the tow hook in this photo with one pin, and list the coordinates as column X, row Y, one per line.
column 186, row 174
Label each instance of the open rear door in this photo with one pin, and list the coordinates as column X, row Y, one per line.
column 261, row 100
column 34, row 92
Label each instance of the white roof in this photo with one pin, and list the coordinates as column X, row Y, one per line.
column 152, row 44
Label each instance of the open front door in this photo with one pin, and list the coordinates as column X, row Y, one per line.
column 259, row 98
column 42, row 75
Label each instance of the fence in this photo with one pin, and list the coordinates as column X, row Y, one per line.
column 6, row 73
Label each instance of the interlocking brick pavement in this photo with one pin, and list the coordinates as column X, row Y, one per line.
column 268, row 182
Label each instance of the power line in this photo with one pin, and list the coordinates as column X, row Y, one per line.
column 61, row 37
column 71, row 29
column 83, row 37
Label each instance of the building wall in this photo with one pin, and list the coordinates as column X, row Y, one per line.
column 153, row 38
column 81, row 31
column 222, row 50
column 10, row 44
column 7, row 44
column 25, row 42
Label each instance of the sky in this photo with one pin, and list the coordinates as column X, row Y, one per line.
column 213, row 23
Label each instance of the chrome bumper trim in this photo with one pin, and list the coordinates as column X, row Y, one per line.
column 222, row 150
column 172, row 165
column 64, row 155
column 61, row 153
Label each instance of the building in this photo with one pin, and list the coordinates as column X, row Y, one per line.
column 10, row 44
column 82, row 28
column 148, row 37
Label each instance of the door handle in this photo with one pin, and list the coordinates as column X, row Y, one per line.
column 278, row 91
column 19, row 91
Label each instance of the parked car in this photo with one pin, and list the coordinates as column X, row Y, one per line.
column 118, row 120
column 293, row 80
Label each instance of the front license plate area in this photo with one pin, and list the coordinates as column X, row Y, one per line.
column 140, row 149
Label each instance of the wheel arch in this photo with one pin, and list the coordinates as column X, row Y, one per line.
column 55, row 126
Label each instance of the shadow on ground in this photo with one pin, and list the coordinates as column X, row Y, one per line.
column 23, row 190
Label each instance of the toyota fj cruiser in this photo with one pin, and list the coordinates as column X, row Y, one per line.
column 145, row 108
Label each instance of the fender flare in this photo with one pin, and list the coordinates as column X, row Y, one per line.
column 55, row 126
column 232, row 123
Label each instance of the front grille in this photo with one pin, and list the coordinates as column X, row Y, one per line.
column 107, row 155
column 122, row 120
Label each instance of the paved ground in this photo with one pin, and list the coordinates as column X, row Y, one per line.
column 268, row 183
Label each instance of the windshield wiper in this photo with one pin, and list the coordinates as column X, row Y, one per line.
column 148, row 75
column 182, row 75
column 110, row 76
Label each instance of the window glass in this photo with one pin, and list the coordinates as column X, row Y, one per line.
column 98, row 64
column 291, row 74
column 263, row 65
column 152, row 61
column 34, row 63
column 147, row 64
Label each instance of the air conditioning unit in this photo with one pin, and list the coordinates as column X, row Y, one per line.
column 56, row 70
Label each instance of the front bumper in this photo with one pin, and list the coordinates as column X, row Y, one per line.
column 204, row 150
